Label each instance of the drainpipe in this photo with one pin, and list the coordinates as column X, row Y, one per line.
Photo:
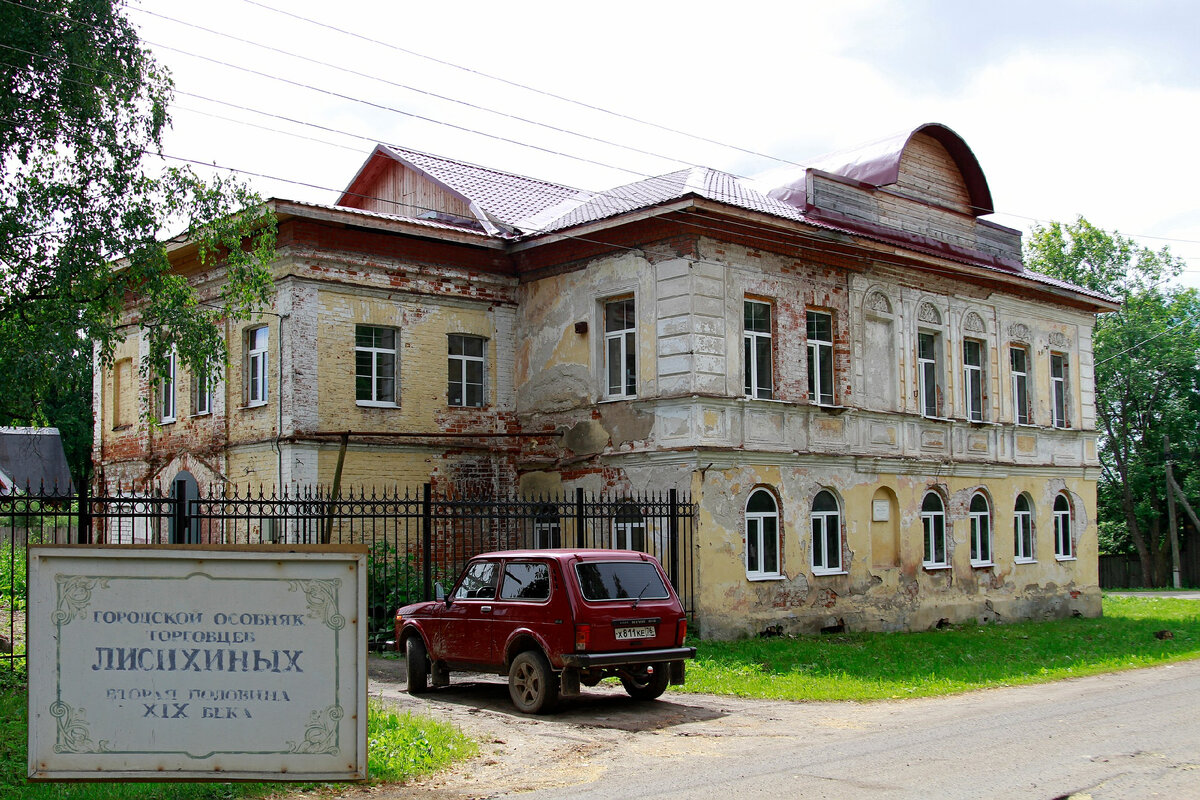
column 279, row 402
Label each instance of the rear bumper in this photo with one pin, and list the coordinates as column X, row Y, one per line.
column 621, row 659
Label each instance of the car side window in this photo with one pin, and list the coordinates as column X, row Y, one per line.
column 479, row 582
column 525, row 581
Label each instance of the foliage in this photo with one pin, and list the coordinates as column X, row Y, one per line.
column 400, row 747
column 392, row 582
column 82, row 106
column 876, row 666
column 1147, row 372
column 12, row 576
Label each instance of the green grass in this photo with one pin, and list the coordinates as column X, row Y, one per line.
column 876, row 666
column 400, row 747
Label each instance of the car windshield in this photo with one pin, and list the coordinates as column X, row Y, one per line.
column 620, row 580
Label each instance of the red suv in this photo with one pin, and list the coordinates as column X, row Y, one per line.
column 551, row 620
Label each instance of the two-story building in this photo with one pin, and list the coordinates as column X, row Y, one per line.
column 884, row 420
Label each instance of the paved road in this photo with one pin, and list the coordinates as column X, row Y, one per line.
column 1123, row 736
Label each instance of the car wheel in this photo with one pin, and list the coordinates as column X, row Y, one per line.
column 416, row 665
column 647, row 682
column 531, row 683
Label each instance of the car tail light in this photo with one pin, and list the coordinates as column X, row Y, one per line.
column 680, row 631
column 583, row 636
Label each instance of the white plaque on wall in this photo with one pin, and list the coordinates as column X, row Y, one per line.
column 186, row 663
column 880, row 510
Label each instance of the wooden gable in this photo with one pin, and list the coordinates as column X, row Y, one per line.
column 929, row 173
column 388, row 187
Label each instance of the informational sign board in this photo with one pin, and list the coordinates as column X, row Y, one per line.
column 197, row 663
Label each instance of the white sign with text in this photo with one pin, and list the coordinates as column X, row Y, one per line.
column 188, row 663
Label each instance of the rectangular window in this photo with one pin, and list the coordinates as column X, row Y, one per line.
column 374, row 365
column 1058, row 390
column 123, row 389
column 620, row 348
column 256, row 366
column 973, row 379
column 1019, row 361
column 759, row 355
column 166, row 392
column 467, row 360
column 928, row 372
column 202, row 390
column 820, row 358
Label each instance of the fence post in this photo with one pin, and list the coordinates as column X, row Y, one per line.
column 427, row 539
column 673, row 535
column 580, row 534
column 83, row 533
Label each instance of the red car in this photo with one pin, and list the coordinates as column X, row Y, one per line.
column 551, row 620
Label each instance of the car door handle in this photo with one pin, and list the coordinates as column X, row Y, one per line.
column 485, row 609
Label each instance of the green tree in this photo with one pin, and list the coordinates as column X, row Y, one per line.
column 83, row 216
column 1147, row 371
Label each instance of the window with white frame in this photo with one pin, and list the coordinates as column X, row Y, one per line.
column 1023, row 530
column 1058, row 390
column 374, row 365
column 973, row 379
column 166, row 391
column 629, row 528
column 467, row 371
column 980, row 515
column 256, row 366
column 929, row 383
column 820, row 358
column 762, row 535
column 202, row 394
column 1018, row 359
column 620, row 348
column 933, row 525
column 758, row 354
column 826, row 534
column 547, row 530
column 1064, row 547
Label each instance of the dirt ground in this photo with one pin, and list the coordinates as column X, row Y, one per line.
column 603, row 728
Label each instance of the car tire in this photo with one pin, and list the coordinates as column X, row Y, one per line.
column 647, row 682
column 532, row 685
column 416, row 664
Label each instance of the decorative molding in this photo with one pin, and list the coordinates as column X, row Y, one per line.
column 1059, row 339
column 1019, row 332
column 974, row 322
column 877, row 301
column 927, row 313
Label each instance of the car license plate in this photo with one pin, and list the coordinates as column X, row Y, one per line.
column 643, row 632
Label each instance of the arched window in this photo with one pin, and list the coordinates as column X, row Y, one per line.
column 762, row 536
column 1063, row 546
column 981, row 531
column 826, row 534
column 1023, row 530
column 629, row 528
column 933, row 523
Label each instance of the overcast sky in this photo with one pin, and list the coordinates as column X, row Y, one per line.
column 1072, row 108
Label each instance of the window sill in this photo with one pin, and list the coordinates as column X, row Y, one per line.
column 936, row 419
column 372, row 404
column 983, row 423
column 124, row 427
column 758, row 578
column 1065, row 558
column 834, row 410
column 1024, row 560
column 936, row 567
column 200, row 414
column 167, row 421
column 617, row 398
column 982, row 564
column 823, row 573
column 749, row 398
column 453, row 407
column 258, row 404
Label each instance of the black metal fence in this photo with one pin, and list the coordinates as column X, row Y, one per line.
column 414, row 538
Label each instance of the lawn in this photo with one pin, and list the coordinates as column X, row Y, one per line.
column 874, row 666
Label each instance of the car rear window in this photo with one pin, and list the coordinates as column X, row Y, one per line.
column 620, row 580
